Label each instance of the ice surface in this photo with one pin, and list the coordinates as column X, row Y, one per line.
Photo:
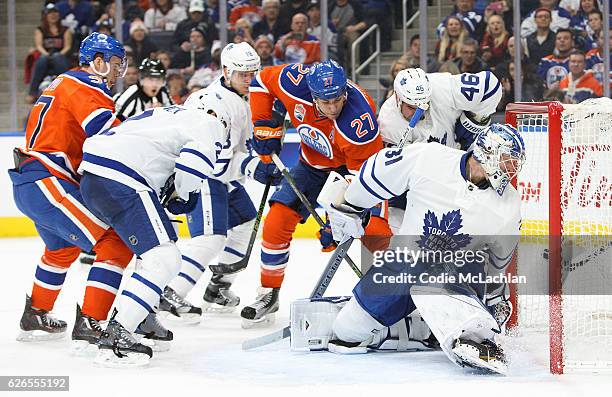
column 207, row 358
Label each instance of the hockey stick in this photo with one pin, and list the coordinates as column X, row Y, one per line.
column 324, row 280
column 413, row 121
column 309, row 207
column 231, row 268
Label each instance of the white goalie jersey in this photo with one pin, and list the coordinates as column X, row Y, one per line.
column 169, row 140
column 451, row 95
column 234, row 149
column 440, row 200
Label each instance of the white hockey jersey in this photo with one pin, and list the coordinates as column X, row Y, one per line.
column 146, row 149
column 451, row 95
column 234, row 149
column 441, row 203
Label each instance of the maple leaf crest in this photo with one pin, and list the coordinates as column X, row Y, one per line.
column 443, row 234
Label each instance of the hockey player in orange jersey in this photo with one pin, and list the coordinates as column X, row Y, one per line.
column 76, row 105
column 337, row 124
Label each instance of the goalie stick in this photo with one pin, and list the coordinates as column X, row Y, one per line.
column 328, row 273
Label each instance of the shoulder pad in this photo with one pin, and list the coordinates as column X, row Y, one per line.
column 90, row 80
column 292, row 81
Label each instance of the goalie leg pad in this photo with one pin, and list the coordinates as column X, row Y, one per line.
column 312, row 321
column 453, row 316
column 409, row 334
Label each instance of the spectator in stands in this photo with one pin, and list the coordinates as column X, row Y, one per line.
column 297, row 46
column 502, row 8
column 105, row 27
column 412, row 57
column 560, row 18
column 265, row 49
column 106, row 20
column 387, row 82
column 77, row 15
column 163, row 15
column 379, row 12
column 540, row 43
column 165, row 58
column 149, row 91
column 593, row 27
column 314, row 28
column 197, row 18
column 347, row 16
column 271, row 24
column 131, row 75
column 581, row 17
column 249, row 10
column 292, row 7
column 209, row 72
column 176, row 88
column 196, row 56
column 473, row 20
column 555, row 67
column 140, row 44
column 594, row 58
column 495, row 41
column 532, row 87
column 54, row 42
column 468, row 61
column 243, row 32
column 449, row 45
column 579, row 84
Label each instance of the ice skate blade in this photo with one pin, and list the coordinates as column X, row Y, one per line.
column 338, row 349
column 107, row 358
column 38, row 336
column 185, row 319
column 155, row 344
column 469, row 358
column 217, row 309
column 265, row 321
column 82, row 348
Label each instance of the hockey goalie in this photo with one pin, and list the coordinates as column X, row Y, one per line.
column 456, row 202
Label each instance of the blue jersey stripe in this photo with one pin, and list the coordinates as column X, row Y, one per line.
column 186, row 277
column 190, row 170
column 193, row 262
column 114, row 165
column 378, row 182
column 148, row 283
column 198, row 154
column 233, row 252
column 95, row 125
column 138, row 300
column 365, row 185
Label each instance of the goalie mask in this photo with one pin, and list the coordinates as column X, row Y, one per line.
column 412, row 86
column 500, row 150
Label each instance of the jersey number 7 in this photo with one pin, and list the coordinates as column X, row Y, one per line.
column 39, row 111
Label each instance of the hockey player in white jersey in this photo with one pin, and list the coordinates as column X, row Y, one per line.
column 455, row 109
column 163, row 152
column 457, row 201
column 222, row 222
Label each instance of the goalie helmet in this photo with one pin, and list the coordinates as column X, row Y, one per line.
column 412, row 86
column 210, row 103
column 326, row 80
column 108, row 46
column 500, row 150
column 240, row 57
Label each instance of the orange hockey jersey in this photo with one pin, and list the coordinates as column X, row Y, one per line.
column 349, row 140
column 76, row 105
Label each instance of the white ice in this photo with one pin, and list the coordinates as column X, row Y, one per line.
column 207, row 359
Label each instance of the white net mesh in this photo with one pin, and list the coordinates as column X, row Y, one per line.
column 586, row 214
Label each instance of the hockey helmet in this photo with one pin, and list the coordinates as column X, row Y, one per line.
column 240, row 57
column 211, row 103
column 412, row 86
column 500, row 150
column 108, row 46
column 152, row 68
column 326, row 80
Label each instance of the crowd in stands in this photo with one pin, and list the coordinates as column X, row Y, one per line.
column 561, row 40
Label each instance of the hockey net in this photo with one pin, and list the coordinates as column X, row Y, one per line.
column 566, row 233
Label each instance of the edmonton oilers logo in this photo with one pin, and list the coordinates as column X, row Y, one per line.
column 315, row 139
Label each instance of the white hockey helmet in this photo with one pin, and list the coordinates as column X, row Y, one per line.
column 211, row 103
column 240, row 57
column 412, row 87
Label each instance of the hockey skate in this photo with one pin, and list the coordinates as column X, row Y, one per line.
column 86, row 334
column 39, row 325
column 486, row 356
column 263, row 310
column 152, row 333
column 118, row 348
column 218, row 298
column 174, row 307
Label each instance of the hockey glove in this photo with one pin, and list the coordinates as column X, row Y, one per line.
column 347, row 220
column 255, row 168
column 267, row 135
column 326, row 238
column 179, row 206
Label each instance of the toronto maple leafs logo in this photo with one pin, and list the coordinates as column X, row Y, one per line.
column 443, row 235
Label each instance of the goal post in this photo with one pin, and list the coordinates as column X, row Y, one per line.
column 566, row 194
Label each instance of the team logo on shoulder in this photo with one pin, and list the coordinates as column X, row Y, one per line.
column 315, row 139
column 55, row 83
column 95, row 79
column 299, row 112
